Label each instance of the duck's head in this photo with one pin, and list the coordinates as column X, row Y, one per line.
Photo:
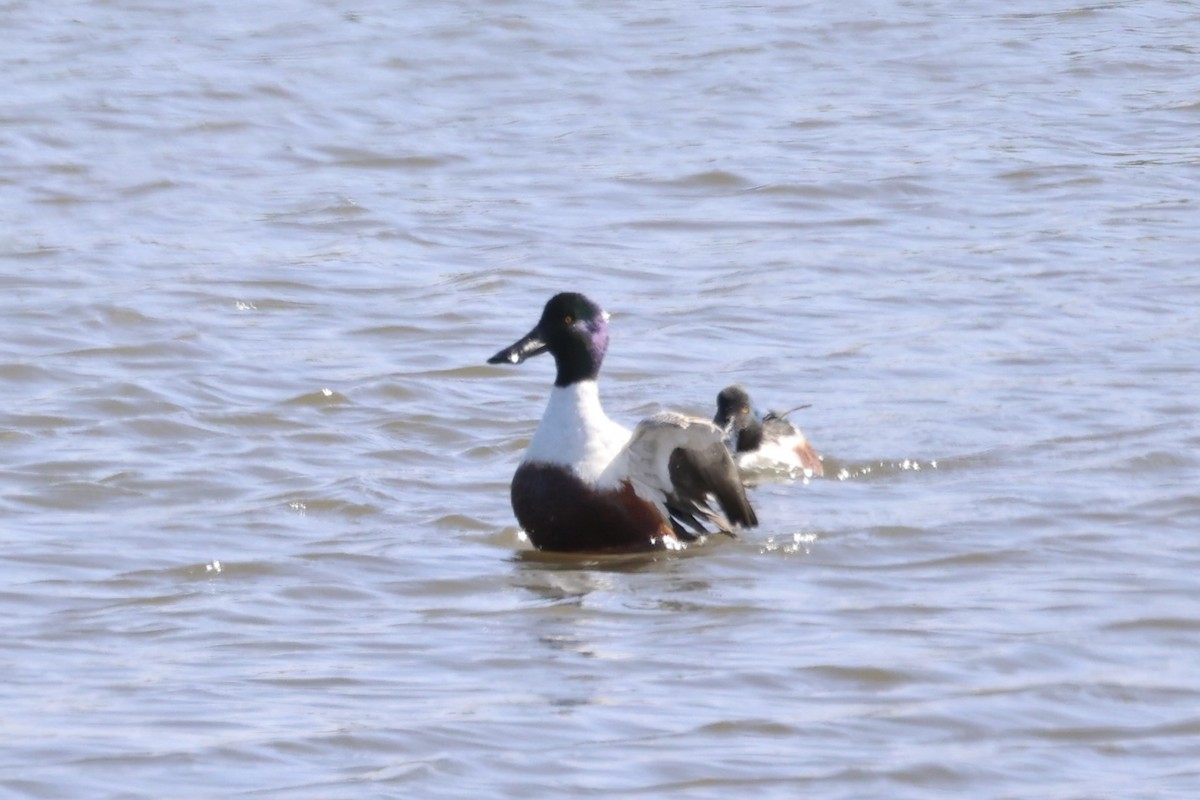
column 573, row 329
column 737, row 417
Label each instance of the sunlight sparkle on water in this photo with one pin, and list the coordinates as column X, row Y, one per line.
column 799, row 542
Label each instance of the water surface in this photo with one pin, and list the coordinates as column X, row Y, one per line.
column 254, row 529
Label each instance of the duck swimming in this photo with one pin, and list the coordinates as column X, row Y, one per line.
column 768, row 442
column 588, row 484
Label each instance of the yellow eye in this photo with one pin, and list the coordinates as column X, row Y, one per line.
column 568, row 319
column 745, row 409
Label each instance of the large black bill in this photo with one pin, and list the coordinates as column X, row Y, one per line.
column 527, row 347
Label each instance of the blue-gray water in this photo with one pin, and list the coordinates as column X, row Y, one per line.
column 255, row 537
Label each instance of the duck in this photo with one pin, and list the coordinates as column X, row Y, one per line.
column 589, row 484
column 763, row 443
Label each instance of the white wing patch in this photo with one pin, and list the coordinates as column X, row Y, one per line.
column 645, row 460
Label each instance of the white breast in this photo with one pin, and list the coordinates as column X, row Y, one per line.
column 575, row 432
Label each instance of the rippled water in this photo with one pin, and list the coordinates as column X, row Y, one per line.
column 255, row 532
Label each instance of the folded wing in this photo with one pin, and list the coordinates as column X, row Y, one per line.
column 681, row 465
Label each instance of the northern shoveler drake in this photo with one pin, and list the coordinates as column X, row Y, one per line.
column 588, row 484
column 767, row 442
